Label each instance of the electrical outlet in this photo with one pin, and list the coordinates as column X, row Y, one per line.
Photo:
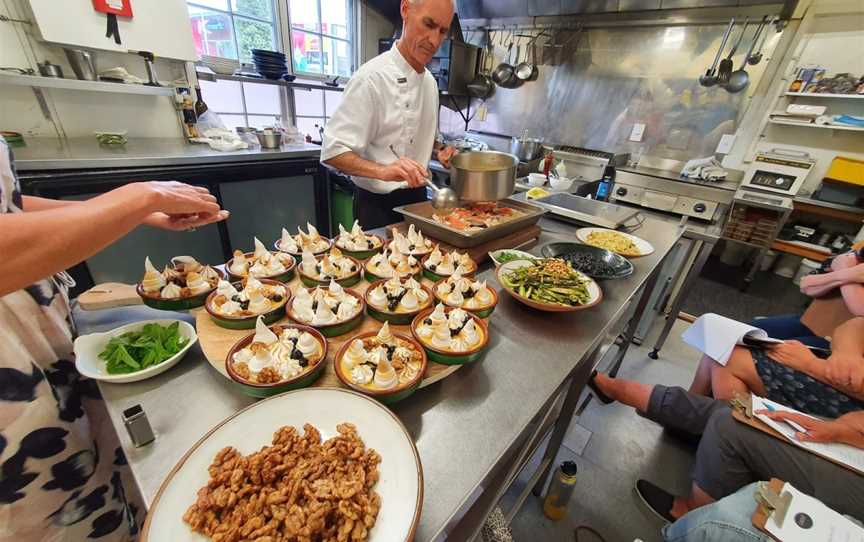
column 482, row 111
column 637, row 132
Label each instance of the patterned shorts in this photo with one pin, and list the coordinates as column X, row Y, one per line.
column 800, row 391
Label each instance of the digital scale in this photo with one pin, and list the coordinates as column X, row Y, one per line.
column 775, row 177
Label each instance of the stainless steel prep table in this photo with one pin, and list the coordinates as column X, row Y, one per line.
column 474, row 430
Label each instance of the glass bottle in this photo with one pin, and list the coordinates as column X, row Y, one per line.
column 560, row 490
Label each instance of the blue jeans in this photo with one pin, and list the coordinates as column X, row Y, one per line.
column 727, row 520
column 790, row 328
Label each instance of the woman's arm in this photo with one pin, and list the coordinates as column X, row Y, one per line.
column 37, row 244
column 33, row 203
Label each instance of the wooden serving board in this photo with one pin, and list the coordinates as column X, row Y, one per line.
column 217, row 341
column 522, row 239
column 109, row 295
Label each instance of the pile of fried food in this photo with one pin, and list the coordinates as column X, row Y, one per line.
column 298, row 489
column 614, row 241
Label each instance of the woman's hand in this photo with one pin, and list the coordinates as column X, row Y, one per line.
column 817, row 430
column 174, row 198
column 184, row 222
column 793, row 354
column 846, row 372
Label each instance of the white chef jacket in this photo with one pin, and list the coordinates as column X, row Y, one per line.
column 386, row 103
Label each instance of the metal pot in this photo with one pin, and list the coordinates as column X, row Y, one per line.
column 483, row 175
column 526, row 148
column 83, row 63
column 47, row 69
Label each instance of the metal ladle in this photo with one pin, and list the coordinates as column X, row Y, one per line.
column 739, row 79
column 443, row 198
column 725, row 69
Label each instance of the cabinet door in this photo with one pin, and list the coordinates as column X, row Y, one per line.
column 123, row 260
column 262, row 207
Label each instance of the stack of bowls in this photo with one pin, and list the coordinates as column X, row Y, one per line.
column 270, row 64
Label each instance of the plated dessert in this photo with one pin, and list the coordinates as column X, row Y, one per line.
column 356, row 243
column 296, row 245
column 397, row 300
column 441, row 264
column 339, row 471
column 413, row 243
column 391, row 262
column 333, row 311
column 477, row 216
column 276, row 359
column 465, row 293
column 185, row 284
column 261, row 264
column 450, row 336
column 238, row 305
column 550, row 284
column 334, row 266
column 385, row 365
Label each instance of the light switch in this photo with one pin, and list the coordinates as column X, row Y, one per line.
column 638, row 132
column 726, row 143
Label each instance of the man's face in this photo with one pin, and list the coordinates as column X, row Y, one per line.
column 425, row 25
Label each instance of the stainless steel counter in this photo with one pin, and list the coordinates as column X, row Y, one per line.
column 467, row 427
column 43, row 154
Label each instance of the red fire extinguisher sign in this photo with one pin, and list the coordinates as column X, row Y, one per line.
column 120, row 8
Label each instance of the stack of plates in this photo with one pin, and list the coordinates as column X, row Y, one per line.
column 269, row 64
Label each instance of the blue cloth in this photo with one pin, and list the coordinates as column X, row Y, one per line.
column 727, row 520
column 790, row 328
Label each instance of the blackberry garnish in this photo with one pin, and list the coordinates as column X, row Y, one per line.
column 315, row 305
column 428, row 321
column 470, row 293
column 236, row 298
column 244, row 305
column 433, row 267
column 370, row 244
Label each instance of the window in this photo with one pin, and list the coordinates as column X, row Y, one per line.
column 322, row 37
column 314, row 108
column 243, row 104
column 232, row 28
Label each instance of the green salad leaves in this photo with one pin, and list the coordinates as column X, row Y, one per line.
column 138, row 350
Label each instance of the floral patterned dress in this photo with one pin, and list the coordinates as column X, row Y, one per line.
column 63, row 475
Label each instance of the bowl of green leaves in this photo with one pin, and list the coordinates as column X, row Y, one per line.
column 500, row 257
column 135, row 351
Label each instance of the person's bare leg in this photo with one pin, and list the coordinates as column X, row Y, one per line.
column 629, row 392
column 701, row 384
column 696, row 499
column 739, row 376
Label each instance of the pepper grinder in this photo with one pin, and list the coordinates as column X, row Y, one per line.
column 151, row 71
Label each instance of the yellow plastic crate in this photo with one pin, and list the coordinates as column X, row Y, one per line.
column 846, row 170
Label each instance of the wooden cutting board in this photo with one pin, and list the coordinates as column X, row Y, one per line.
column 109, row 295
column 217, row 341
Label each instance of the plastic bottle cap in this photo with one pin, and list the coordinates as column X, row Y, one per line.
column 569, row 468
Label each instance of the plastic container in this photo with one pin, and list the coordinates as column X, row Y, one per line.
column 787, row 265
column 768, row 260
column 806, row 267
column 560, row 490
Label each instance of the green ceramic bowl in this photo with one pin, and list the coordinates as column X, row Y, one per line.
column 266, row 390
column 395, row 318
column 347, row 282
column 180, row 304
column 334, row 330
column 385, row 396
column 282, row 277
column 298, row 256
column 372, row 277
column 362, row 254
column 248, row 322
column 452, row 358
column 482, row 313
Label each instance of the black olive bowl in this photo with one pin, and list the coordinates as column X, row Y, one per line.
column 620, row 267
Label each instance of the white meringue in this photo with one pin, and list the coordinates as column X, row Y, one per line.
column 260, row 249
column 263, row 334
column 171, row 291
column 361, row 374
column 384, row 335
column 309, row 264
column 287, row 243
column 153, row 280
column 355, row 355
column 385, row 376
column 307, row 344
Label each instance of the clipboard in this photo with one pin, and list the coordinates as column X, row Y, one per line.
column 742, row 411
column 771, row 501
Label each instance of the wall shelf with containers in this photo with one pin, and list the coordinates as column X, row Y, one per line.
column 213, row 77
column 811, row 125
column 35, row 81
column 824, row 95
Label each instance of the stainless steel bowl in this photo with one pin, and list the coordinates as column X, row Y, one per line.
column 483, row 175
column 269, row 140
column 526, row 148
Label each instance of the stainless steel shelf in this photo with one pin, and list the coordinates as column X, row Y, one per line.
column 825, row 95
column 261, row 81
column 88, row 86
column 823, row 126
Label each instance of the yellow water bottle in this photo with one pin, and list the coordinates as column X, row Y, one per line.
column 560, row 490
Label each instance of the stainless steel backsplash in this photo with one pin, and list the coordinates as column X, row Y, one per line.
column 617, row 77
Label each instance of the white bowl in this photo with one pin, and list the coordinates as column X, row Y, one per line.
column 88, row 347
column 560, row 183
column 493, row 255
column 536, row 179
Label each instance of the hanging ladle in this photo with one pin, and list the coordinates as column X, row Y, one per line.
column 739, row 79
column 725, row 69
column 709, row 78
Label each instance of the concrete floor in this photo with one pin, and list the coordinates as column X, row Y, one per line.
column 612, row 447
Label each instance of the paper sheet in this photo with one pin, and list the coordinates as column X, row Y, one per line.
column 809, row 520
column 716, row 336
column 842, row 453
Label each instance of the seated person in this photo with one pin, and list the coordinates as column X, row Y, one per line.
column 791, row 374
column 732, row 455
column 847, row 275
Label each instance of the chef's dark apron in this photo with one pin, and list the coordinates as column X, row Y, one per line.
column 376, row 210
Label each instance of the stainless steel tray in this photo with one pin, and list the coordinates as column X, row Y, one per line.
column 420, row 214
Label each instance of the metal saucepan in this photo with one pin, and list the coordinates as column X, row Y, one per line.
column 526, row 148
column 504, row 73
column 483, row 175
column 709, row 79
column 725, row 69
column 527, row 71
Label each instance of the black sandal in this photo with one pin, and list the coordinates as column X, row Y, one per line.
column 605, row 399
column 657, row 500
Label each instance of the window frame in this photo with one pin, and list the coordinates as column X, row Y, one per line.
column 353, row 40
column 273, row 22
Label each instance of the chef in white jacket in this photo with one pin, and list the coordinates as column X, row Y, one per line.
column 392, row 100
